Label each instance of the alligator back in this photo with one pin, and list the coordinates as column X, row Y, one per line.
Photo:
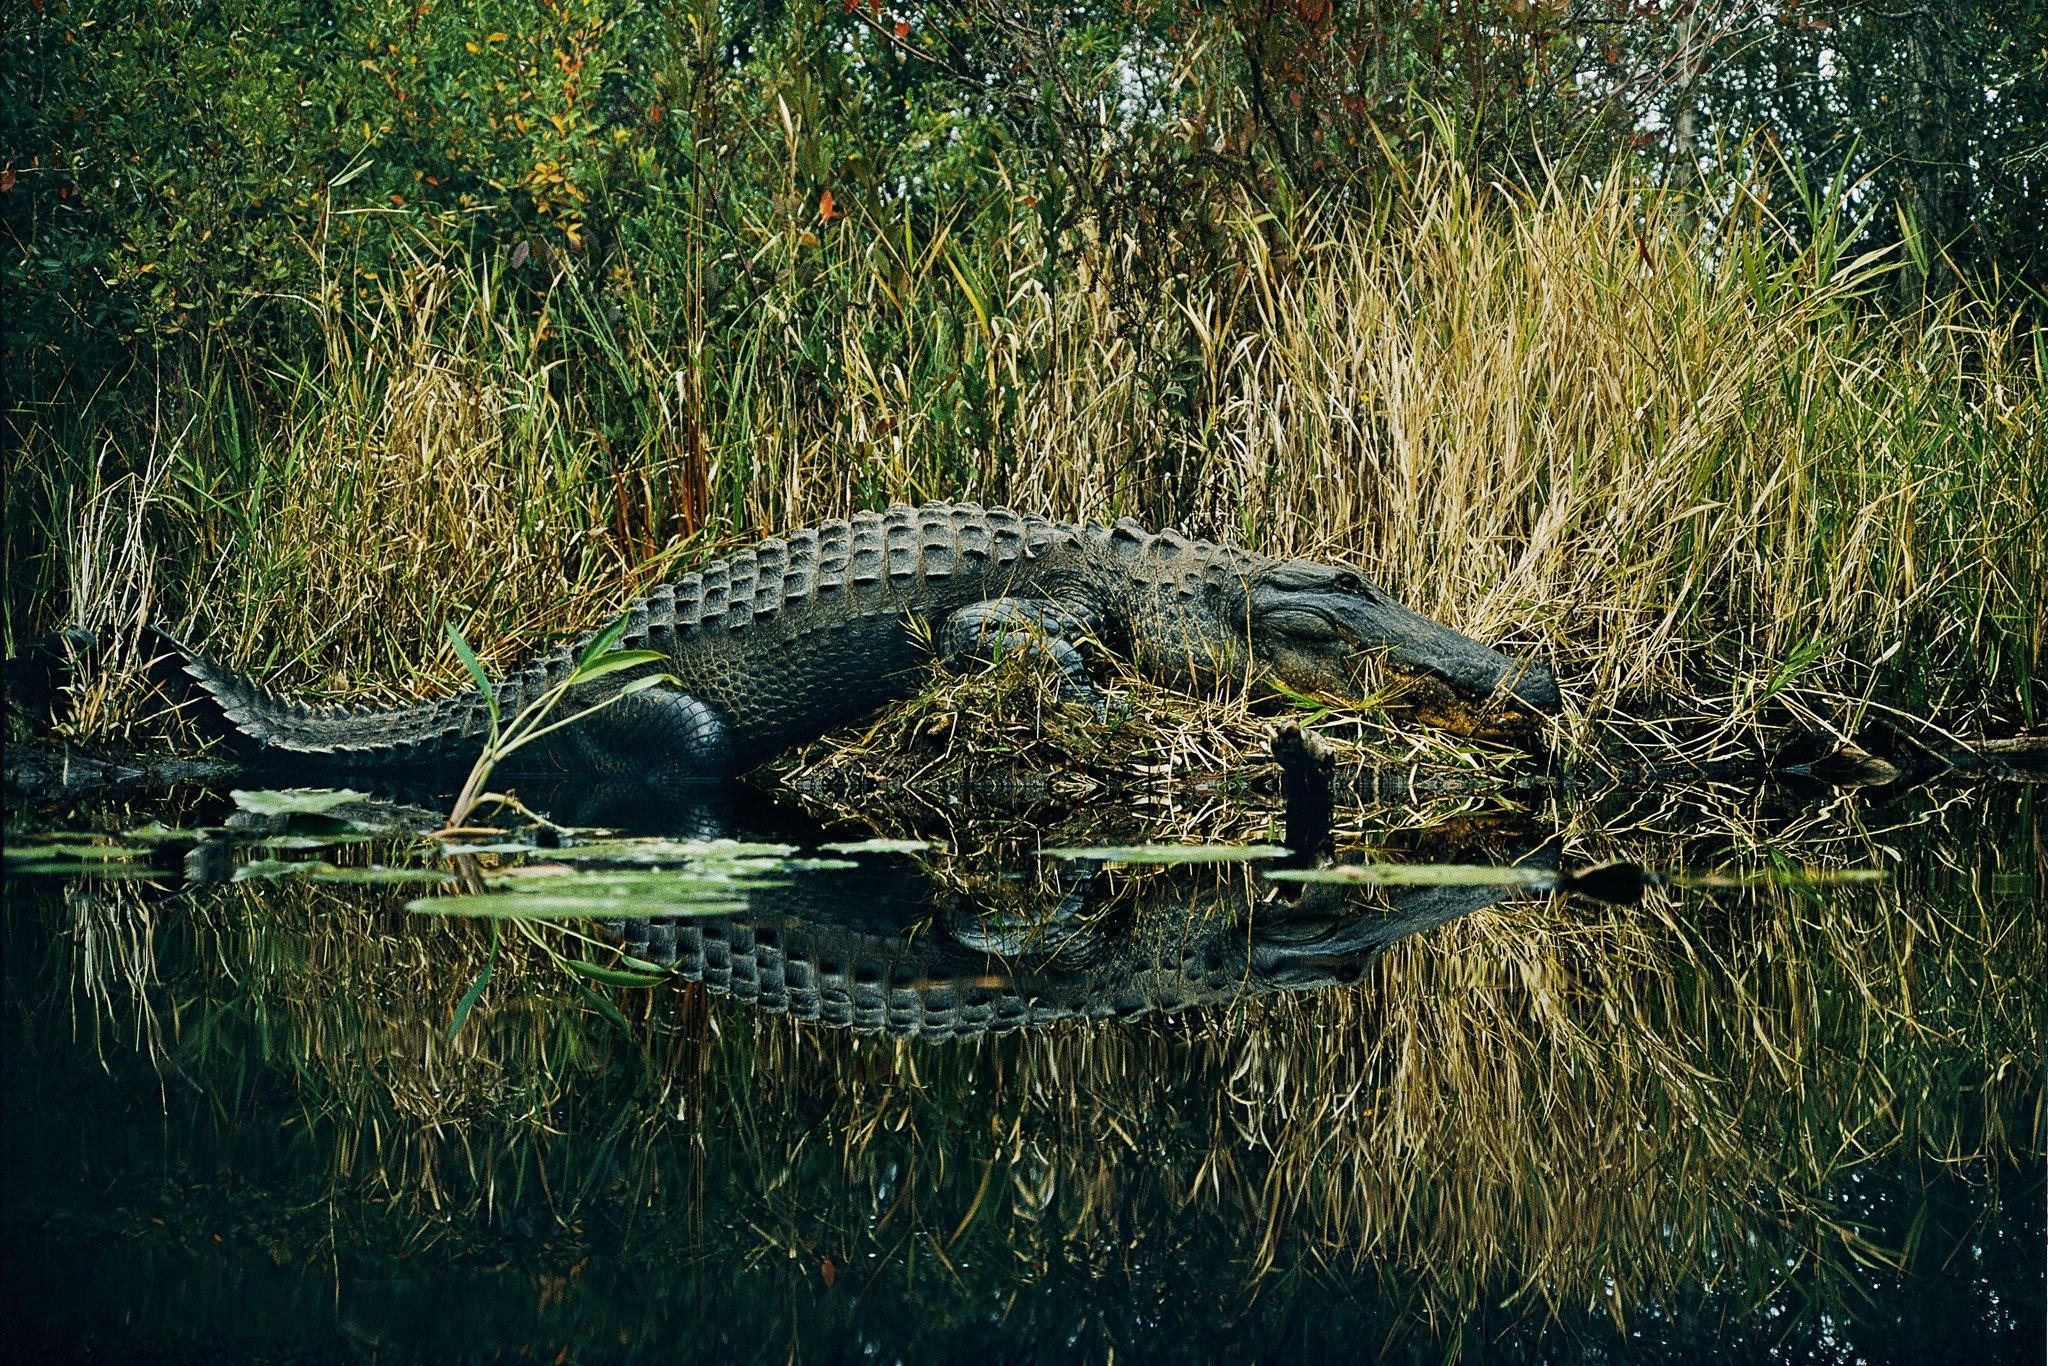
column 785, row 639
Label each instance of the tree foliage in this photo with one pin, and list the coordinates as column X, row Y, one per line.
column 179, row 174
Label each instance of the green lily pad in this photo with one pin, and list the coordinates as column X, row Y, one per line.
column 316, row 870
column 1421, row 875
column 1169, row 853
column 266, row 869
column 570, row 904
column 287, row 843
column 606, row 894
column 156, row 832
column 72, row 856
column 652, row 851
column 877, row 846
column 295, row 801
column 68, row 849
column 379, row 876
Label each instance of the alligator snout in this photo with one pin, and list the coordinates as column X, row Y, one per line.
column 1319, row 625
column 1480, row 672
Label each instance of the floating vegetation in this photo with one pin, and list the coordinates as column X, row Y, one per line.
column 156, row 832
column 72, row 856
column 1421, row 875
column 877, row 846
column 314, row 870
column 296, row 801
column 622, row 894
column 665, row 851
column 1168, row 854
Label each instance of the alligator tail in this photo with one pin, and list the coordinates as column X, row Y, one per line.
column 255, row 724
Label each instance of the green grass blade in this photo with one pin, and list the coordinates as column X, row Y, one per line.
column 476, row 671
column 476, row 988
column 616, row 977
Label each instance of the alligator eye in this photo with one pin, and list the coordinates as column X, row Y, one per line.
column 1348, row 582
column 1308, row 628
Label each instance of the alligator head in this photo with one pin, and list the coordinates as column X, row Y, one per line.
column 1324, row 629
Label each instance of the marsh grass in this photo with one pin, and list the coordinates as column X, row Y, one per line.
column 1700, row 473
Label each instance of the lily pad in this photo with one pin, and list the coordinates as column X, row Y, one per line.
column 73, row 856
column 295, row 801
column 316, row 870
column 267, row 869
column 1168, row 853
column 1421, row 875
column 663, row 851
column 877, row 846
column 156, row 832
column 286, row 843
column 378, row 876
column 70, row 849
column 613, row 894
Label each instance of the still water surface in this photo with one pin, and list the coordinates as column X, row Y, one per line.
column 951, row 1097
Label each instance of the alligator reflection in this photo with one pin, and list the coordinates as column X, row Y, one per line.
column 895, row 954
column 1724, row 1128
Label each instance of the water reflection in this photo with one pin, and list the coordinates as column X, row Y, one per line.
column 886, row 950
column 1711, row 1125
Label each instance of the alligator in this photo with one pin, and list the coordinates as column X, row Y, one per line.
column 955, row 971
column 781, row 642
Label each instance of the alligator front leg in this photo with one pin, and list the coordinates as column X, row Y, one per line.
column 659, row 733
column 984, row 632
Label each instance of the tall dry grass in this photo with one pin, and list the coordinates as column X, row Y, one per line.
column 1696, row 470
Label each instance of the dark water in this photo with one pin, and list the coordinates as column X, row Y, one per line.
column 1778, row 1123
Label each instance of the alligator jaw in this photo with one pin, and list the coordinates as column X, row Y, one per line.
column 1417, row 645
column 1328, row 627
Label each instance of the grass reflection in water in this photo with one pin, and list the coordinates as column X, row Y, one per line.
column 1543, row 1117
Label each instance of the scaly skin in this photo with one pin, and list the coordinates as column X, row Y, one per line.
column 783, row 641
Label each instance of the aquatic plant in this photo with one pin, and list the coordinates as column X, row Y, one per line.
column 536, row 720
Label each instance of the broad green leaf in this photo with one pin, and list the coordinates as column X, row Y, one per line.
column 476, row 671
column 600, row 644
column 657, row 850
column 618, row 660
column 380, row 876
column 156, row 832
column 264, row 869
column 69, row 850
